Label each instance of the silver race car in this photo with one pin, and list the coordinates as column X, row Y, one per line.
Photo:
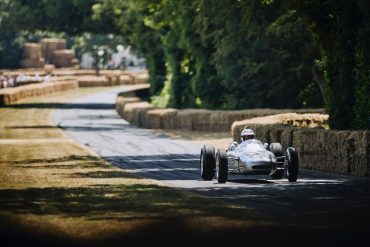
column 250, row 157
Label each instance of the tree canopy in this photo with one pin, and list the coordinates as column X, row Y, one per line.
column 231, row 54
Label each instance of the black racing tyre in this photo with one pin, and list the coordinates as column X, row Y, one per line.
column 293, row 164
column 277, row 174
column 221, row 166
column 207, row 162
column 276, row 149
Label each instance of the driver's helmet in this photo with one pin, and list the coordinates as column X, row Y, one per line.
column 247, row 134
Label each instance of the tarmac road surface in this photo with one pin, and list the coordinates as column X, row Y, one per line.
column 318, row 199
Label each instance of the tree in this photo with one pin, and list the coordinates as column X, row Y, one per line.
column 10, row 49
column 342, row 30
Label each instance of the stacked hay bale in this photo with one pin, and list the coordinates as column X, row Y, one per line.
column 32, row 56
column 48, row 46
column 63, row 58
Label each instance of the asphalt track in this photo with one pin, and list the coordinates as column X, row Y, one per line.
column 318, row 199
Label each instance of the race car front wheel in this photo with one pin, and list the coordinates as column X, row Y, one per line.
column 207, row 162
column 221, row 166
column 293, row 165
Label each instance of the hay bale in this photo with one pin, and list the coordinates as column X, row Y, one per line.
column 93, row 81
column 63, row 58
column 75, row 62
column 32, row 63
column 141, row 78
column 161, row 119
column 126, row 79
column 48, row 46
column 83, row 72
column 49, row 68
column 31, row 51
column 358, row 153
column 222, row 120
column 169, row 118
column 134, row 112
column 122, row 101
column 113, row 80
column 184, row 120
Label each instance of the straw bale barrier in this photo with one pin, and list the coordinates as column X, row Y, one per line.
column 198, row 119
column 93, row 81
column 83, row 72
column 11, row 95
column 343, row 152
column 103, row 81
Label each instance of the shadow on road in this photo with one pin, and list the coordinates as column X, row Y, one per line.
column 315, row 200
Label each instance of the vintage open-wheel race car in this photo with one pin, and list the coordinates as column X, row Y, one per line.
column 250, row 157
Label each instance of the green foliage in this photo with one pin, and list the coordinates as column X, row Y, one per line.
column 342, row 29
column 70, row 16
column 10, row 49
column 261, row 55
column 131, row 19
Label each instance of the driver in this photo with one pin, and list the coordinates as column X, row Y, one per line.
column 246, row 134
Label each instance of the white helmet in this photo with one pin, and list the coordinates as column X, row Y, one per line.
column 247, row 134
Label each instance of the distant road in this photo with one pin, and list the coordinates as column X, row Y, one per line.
column 318, row 199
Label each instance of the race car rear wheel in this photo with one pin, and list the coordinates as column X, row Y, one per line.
column 292, row 163
column 207, row 162
column 221, row 166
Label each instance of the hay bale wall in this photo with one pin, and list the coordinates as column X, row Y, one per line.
column 198, row 119
column 11, row 95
